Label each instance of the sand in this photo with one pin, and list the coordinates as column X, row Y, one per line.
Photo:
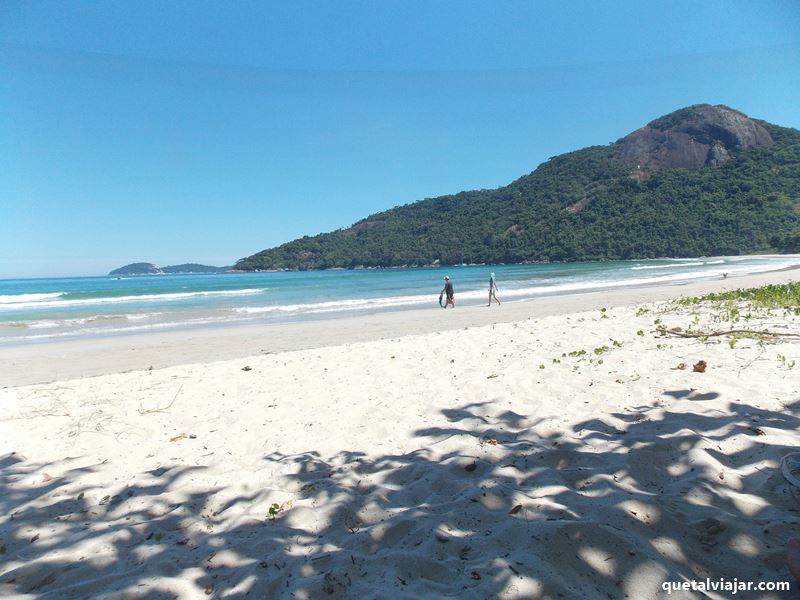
column 557, row 455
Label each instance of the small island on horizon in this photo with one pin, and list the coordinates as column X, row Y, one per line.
column 146, row 268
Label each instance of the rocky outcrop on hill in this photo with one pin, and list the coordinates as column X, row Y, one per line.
column 691, row 138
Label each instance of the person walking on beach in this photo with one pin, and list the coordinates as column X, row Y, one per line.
column 448, row 291
column 492, row 290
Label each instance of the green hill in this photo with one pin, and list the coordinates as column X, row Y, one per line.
column 704, row 180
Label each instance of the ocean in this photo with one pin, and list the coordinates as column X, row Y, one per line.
column 34, row 310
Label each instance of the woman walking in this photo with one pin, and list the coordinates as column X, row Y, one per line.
column 492, row 290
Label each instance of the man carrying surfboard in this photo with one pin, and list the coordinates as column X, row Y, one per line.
column 448, row 291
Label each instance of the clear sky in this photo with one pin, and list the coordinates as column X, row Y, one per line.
column 192, row 131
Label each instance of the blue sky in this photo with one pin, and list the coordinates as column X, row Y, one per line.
column 207, row 131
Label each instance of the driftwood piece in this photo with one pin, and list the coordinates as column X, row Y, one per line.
column 684, row 334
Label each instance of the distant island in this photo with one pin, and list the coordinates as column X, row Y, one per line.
column 143, row 268
column 704, row 180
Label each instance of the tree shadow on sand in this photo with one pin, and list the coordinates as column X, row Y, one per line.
column 609, row 509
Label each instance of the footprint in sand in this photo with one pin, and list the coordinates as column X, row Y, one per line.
column 708, row 531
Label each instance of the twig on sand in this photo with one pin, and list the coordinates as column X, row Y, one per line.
column 702, row 334
column 748, row 365
column 163, row 408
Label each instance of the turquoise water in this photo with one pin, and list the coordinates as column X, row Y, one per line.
column 41, row 309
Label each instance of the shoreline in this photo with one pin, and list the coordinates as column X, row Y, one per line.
column 53, row 360
column 78, row 310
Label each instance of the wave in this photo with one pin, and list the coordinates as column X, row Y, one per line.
column 26, row 298
column 689, row 260
column 669, row 266
column 77, row 321
column 336, row 305
column 678, row 265
column 50, row 303
column 673, row 278
column 112, row 330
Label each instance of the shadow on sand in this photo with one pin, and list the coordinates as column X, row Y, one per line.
column 602, row 511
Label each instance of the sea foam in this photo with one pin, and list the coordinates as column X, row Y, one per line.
column 17, row 299
column 50, row 303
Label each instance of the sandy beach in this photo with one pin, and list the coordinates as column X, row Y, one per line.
column 556, row 448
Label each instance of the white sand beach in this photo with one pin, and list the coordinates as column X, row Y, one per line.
column 545, row 449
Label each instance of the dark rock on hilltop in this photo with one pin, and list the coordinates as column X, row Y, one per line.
column 691, row 138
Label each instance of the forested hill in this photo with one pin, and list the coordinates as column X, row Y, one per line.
column 704, row 180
